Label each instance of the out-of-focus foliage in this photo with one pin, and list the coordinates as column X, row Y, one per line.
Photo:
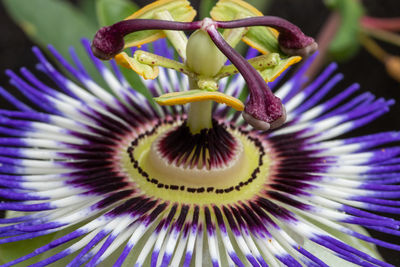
column 63, row 25
column 207, row 5
column 54, row 22
column 346, row 42
column 111, row 11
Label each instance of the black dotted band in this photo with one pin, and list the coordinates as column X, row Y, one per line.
column 154, row 181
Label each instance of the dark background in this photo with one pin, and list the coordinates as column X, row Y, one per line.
column 15, row 52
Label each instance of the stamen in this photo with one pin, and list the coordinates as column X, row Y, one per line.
column 263, row 110
column 291, row 39
column 109, row 41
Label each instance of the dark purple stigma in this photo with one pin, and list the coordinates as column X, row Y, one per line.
column 263, row 110
column 109, row 40
column 291, row 39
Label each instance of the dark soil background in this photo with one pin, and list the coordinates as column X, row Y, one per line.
column 15, row 52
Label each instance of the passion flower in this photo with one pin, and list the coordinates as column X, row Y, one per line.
column 110, row 177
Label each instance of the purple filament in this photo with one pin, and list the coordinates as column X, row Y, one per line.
column 290, row 36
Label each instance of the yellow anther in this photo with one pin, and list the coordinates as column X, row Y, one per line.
column 180, row 98
column 270, row 74
column 146, row 71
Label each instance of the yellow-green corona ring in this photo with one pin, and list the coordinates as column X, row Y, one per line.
column 210, row 171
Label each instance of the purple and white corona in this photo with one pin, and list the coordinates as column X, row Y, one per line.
column 192, row 176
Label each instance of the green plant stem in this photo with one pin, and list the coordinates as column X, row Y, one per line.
column 382, row 35
column 373, row 48
column 200, row 113
column 325, row 36
column 387, row 24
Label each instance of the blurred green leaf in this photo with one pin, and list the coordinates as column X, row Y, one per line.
column 61, row 24
column 205, row 8
column 261, row 5
column 346, row 41
column 112, row 11
column 88, row 7
column 15, row 250
column 54, row 22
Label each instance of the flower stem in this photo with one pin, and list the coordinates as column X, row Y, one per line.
column 200, row 113
column 372, row 47
column 200, row 116
column 324, row 38
column 382, row 35
column 387, row 24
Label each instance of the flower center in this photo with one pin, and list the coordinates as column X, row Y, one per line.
column 211, row 164
column 213, row 148
column 206, row 52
